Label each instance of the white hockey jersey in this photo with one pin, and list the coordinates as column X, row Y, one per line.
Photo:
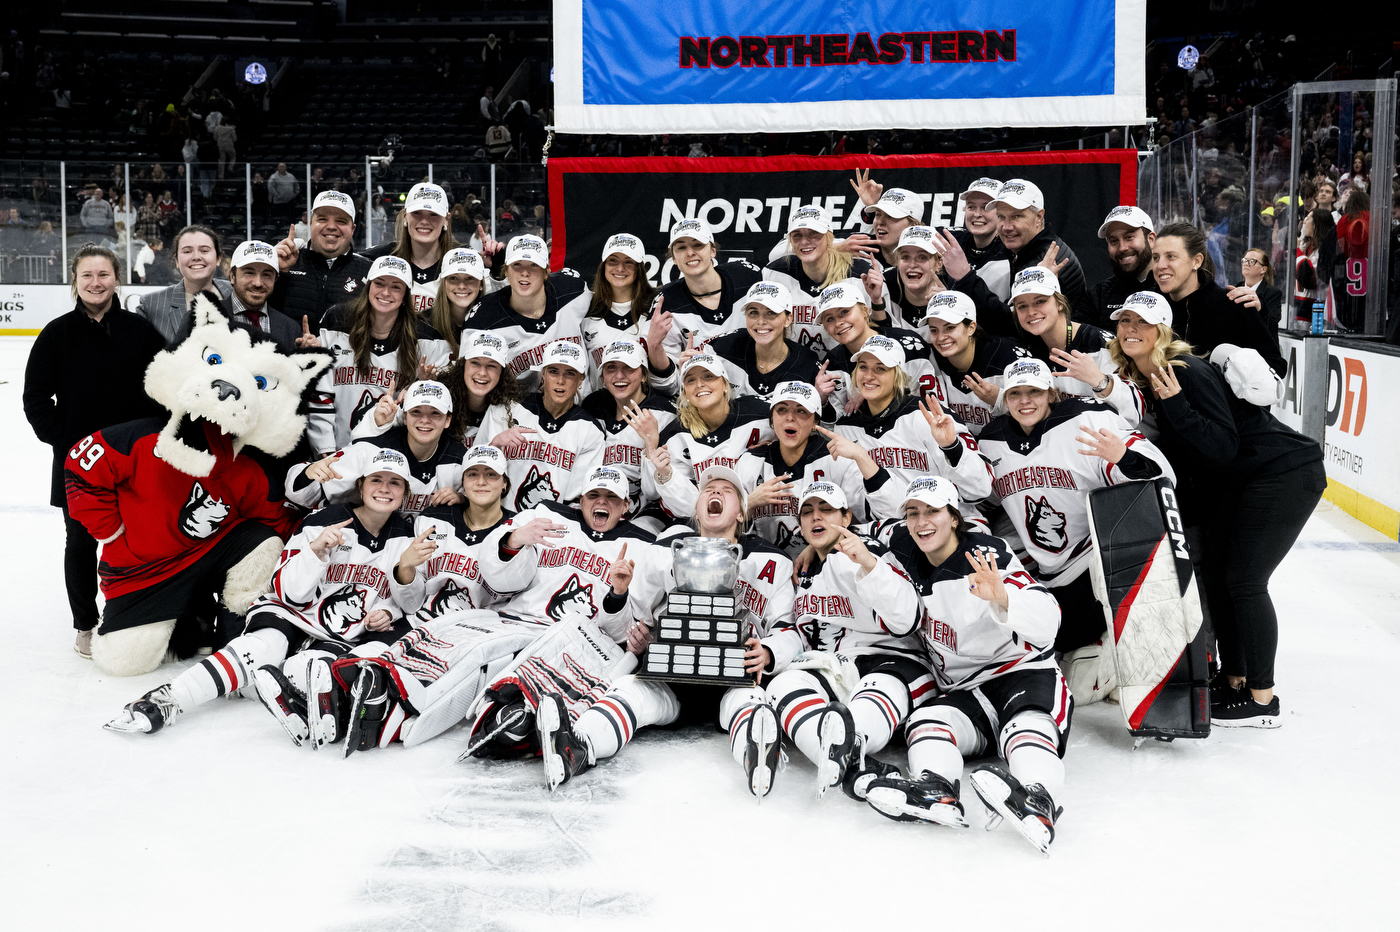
column 623, row 449
column 690, row 316
column 971, row 640
column 787, row 271
column 425, row 278
column 343, row 396
column 1042, row 480
column 900, row 441
column 566, row 301
column 746, row 426
column 918, row 363
column 573, row 574
column 1125, row 397
column 990, row 357
column 879, row 497
column 452, row 580
column 551, row 464
column 739, row 353
column 329, row 598
column 442, row 470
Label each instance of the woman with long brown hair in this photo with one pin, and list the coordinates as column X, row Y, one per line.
column 620, row 305
column 1258, row 271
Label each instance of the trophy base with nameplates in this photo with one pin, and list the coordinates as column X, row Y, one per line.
column 699, row 635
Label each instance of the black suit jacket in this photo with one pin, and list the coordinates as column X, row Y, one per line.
column 1271, row 299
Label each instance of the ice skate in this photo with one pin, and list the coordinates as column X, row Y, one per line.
column 836, row 734
column 930, row 798
column 369, row 704
column 286, row 703
column 1030, row 809
column 505, row 733
column 147, row 715
column 862, row 773
column 761, row 750
column 323, row 702
column 565, row 754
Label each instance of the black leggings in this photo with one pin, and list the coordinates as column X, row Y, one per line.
column 1082, row 618
column 80, row 572
column 1248, row 534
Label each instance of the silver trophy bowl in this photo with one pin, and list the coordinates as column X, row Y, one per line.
column 706, row 564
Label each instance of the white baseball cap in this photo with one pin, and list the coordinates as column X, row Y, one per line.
column 528, row 248
column 810, row 217
column 428, row 392
column 387, row 460
column 427, row 196
column 626, row 244
column 705, row 361
column 627, row 352
column 564, row 353
column 933, row 491
column 1018, row 194
column 772, row 295
column 802, row 393
column 252, row 251
column 1030, row 372
column 609, row 479
column 485, row 344
column 1148, row 305
column 896, row 203
column 829, row 492
column 462, row 262
column 1035, row 280
column 712, row 473
column 847, row 293
column 488, row 456
column 695, row 229
column 920, row 237
column 888, row 351
column 337, row 199
column 392, row 266
column 987, row 186
column 951, row 307
column 1128, row 214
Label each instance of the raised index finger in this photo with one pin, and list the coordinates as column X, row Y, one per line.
column 621, row 553
column 424, row 536
column 292, row 232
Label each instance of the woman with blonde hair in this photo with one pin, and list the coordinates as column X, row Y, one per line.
column 813, row 266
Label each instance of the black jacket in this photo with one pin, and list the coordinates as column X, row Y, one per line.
column 1072, row 284
column 1207, row 317
column 1215, row 440
column 1272, row 300
column 311, row 286
column 83, row 376
column 1108, row 296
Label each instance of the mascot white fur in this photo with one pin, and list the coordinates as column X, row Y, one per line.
column 191, row 507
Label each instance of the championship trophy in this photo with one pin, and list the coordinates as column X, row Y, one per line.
column 699, row 636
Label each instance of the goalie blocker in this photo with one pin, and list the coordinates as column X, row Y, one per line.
column 1155, row 640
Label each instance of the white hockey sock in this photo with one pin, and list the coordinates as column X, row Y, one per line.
column 939, row 738
column 1030, row 745
column 230, row 668
column 735, row 712
column 630, row 704
column 879, row 705
column 799, row 698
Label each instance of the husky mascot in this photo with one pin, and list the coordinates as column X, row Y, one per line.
column 185, row 509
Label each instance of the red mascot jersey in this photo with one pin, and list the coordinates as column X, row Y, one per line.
column 116, row 479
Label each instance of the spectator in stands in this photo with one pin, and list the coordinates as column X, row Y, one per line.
column 318, row 181
column 492, row 55
column 487, row 107
column 1026, row 234
column 189, row 150
column 1127, row 232
column 301, row 228
column 225, row 136
column 282, row 191
column 1358, row 178
column 1326, row 198
column 96, row 215
column 86, row 371
column 158, row 175
column 169, row 213
column 1259, row 276
column 258, row 184
column 1353, row 246
column 197, row 259
column 45, row 242
column 1314, row 263
column 327, row 268
column 146, row 258
column 497, row 142
column 254, row 266
column 148, row 220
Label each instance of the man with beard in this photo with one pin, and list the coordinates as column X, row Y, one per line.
column 1127, row 231
column 326, row 270
column 254, row 276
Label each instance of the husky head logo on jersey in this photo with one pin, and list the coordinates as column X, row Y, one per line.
column 202, row 514
column 1045, row 525
column 235, row 379
column 450, row 598
column 572, row 599
column 535, row 489
column 364, row 406
column 342, row 609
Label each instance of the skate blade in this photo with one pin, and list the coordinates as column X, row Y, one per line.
column 893, row 804
column 268, row 693
column 129, row 724
column 763, row 731
column 477, row 745
column 320, row 726
column 547, row 721
column 993, row 791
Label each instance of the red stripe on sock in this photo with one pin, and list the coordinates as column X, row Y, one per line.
column 804, row 704
column 228, row 671
column 621, row 716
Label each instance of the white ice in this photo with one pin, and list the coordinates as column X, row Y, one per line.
column 220, row 823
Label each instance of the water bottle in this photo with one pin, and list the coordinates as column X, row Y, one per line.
column 1317, row 317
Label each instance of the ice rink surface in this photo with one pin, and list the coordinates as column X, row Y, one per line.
column 220, row 823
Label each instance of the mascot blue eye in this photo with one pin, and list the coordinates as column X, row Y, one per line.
column 212, row 358
column 265, row 383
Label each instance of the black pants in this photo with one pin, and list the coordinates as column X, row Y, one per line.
column 1248, row 535
column 1082, row 619
column 80, row 572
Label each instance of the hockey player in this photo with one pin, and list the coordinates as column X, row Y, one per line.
column 970, row 360
column 887, row 214
column 712, row 428
column 452, row 578
column 347, row 576
column 986, row 256
column 988, row 627
column 852, row 666
column 550, row 441
column 1048, row 452
column 434, row 458
column 918, row 266
column 764, row 590
column 814, row 265
column 379, row 342
column 462, row 283
column 626, row 389
column 843, row 313
column 761, row 356
column 619, row 304
column 536, row 310
column 424, row 238
column 1048, row 334
column 905, row 436
column 798, row 458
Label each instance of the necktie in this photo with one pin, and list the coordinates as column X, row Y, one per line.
column 254, row 318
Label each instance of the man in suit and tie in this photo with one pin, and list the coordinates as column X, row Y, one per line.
column 254, row 276
column 197, row 259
